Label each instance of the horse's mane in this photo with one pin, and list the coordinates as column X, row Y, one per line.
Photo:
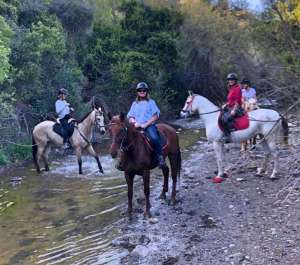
column 84, row 117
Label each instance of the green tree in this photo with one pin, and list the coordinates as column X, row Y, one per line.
column 5, row 39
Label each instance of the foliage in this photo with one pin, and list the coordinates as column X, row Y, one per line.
column 5, row 38
column 141, row 47
column 3, row 158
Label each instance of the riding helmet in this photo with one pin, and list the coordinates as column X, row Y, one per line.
column 62, row 91
column 142, row 85
column 246, row 81
column 232, row 76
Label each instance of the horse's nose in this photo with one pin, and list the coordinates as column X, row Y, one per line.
column 113, row 154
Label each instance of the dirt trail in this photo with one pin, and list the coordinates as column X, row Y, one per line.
column 244, row 220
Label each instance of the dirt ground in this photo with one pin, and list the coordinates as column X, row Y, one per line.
column 244, row 220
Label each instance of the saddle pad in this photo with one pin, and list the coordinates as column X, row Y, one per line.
column 57, row 127
column 240, row 123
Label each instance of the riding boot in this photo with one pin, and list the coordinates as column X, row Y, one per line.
column 226, row 137
column 161, row 162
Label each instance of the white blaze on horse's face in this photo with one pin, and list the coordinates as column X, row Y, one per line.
column 99, row 120
column 188, row 107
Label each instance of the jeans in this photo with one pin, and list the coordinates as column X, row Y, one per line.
column 153, row 134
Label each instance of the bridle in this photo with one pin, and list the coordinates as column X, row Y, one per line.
column 124, row 131
column 188, row 107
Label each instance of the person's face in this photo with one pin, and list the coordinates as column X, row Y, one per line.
column 231, row 82
column 62, row 96
column 142, row 93
column 245, row 86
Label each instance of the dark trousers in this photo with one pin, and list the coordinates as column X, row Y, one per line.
column 66, row 127
column 227, row 121
column 153, row 134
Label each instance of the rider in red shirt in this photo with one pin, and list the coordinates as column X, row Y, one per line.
column 234, row 103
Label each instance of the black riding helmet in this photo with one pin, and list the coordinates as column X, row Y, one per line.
column 62, row 91
column 232, row 76
column 246, row 81
column 142, row 85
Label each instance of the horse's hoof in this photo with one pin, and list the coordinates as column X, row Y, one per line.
column 173, row 202
column 147, row 215
column 273, row 177
column 162, row 196
column 260, row 172
column 101, row 171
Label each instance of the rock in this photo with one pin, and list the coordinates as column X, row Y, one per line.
column 140, row 250
column 170, row 261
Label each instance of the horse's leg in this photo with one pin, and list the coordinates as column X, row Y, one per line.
column 274, row 153
column 129, row 180
column 45, row 157
column 40, row 153
column 243, row 146
column 218, row 147
column 79, row 160
column 267, row 151
column 93, row 153
column 174, row 170
column 165, row 171
column 146, row 179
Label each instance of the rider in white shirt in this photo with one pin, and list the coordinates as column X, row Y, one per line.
column 63, row 110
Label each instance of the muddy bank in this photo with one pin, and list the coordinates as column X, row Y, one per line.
column 245, row 220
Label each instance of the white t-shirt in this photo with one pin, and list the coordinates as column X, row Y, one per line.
column 62, row 108
column 248, row 94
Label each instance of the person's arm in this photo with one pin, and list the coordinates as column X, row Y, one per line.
column 153, row 119
column 131, row 115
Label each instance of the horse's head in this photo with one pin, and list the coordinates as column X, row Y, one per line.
column 99, row 119
column 118, row 131
column 188, row 108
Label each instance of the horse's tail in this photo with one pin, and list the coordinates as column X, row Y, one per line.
column 285, row 130
column 34, row 151
column 179, row 161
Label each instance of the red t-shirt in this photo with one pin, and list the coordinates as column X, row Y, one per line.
column 234, row 96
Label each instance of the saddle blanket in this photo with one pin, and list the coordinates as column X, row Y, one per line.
column 240, row 123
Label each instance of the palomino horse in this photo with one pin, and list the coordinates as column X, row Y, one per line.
column 43, row 137
column 266, row 122
column 137, row 157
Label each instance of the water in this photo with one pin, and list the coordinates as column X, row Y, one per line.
column 61, row 217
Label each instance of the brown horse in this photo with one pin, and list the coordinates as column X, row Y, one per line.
column 43, row 137
column 137, row 157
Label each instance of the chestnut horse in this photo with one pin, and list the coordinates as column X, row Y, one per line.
column 137, row 157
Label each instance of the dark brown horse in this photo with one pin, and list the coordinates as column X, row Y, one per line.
column 137, row 157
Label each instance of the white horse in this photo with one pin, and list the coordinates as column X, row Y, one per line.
column 267, row 122
column 43, row 137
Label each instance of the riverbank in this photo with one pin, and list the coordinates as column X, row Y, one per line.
column 245, row 220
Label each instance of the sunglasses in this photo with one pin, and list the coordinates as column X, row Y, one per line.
column 142, row 90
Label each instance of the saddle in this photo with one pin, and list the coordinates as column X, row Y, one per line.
column 66, row 131
column 239, row 123
column 148, row 142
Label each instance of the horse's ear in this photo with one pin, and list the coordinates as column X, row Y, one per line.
column 122, row 116
column 190, row 93
column 109, row 115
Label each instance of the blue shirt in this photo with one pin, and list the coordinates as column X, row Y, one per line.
column 143, row 110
